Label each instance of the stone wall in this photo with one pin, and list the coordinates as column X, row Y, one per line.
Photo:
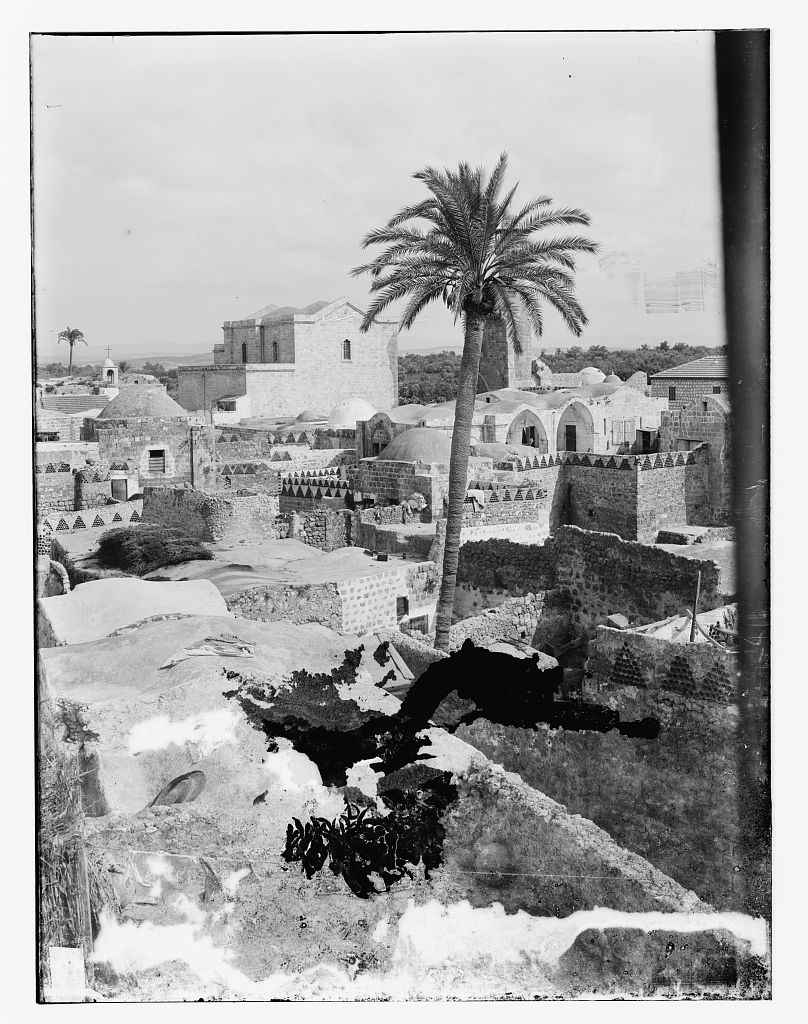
column 55, row 492
column 199, row 387
column 704, row 671
column 212, row 516
column 517, row 569
column 394, row 482
column 688, row 389
column 672, row 495
column 188, row 449
column 515, row 618
column 311, row 371
column 122, row 513
column 707, row 420
column 672, row 800
column 321, row 528
column 604, row 574
column 599, row 573
column 280, row 602
column 598, row 498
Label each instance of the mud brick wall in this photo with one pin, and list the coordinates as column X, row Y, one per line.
column 55, row 492
column 702, row 671
column 280, row 602
column 603, row 574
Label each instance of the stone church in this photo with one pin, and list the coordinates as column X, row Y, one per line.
column 282, row 360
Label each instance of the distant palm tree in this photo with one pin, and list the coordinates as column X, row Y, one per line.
column 482, row 261
column 72, row 336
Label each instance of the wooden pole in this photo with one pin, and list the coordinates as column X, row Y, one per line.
column 695, row 608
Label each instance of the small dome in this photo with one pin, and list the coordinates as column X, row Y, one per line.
column 108, row 364
column 309, row 416
column 420, row 444
column 143, row 401
column 613, row 379
column 592, row 375
column 344, row 415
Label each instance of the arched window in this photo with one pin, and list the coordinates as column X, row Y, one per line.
column 346, row 349
column 244, row 351
column 276, row 355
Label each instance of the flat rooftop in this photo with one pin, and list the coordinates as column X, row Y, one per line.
column 237, row 567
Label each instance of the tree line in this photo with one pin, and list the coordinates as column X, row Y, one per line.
column 432, row 376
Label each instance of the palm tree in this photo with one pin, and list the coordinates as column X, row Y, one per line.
column 72, row 336
column 481, row 260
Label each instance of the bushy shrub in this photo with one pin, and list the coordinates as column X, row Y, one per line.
column 368, row 849
column 141, row 549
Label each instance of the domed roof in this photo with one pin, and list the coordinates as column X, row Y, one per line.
column 345, row 414
column 309, row 416
column 613, row 379
column 108, row 364
column 592, row 375
column 143, row 401
column 419, row 444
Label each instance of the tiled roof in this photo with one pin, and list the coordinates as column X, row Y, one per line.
column 72, row 403
column 707, row 366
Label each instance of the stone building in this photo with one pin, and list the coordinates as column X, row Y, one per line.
column 414, row 461
column 599, row 418
column 705, row 420
column 501, row 366
column 700, row 378
column 282, row 360
column 145, row 437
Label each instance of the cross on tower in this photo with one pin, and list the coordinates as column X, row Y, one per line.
column 108, row 355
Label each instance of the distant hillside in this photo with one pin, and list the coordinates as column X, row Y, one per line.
column 170, row 362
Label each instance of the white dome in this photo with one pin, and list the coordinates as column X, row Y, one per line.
column 108, row 364
column 592, row 375
column 345, row 414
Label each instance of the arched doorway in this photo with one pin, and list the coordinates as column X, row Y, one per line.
column 576, row 429
column 526, row 428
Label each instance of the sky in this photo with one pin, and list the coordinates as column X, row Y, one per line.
column 183, row 181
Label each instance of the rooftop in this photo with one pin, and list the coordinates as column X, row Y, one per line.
column 72, row 403
column 281, row 311
column 420, row 444
column 707, row 366
column 143, row 401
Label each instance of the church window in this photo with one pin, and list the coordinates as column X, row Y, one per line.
column 276, row 353
column 346, row 349
column 244, row 351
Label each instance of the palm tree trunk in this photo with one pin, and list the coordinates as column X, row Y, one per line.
column 70, row 358
column 458, row 473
